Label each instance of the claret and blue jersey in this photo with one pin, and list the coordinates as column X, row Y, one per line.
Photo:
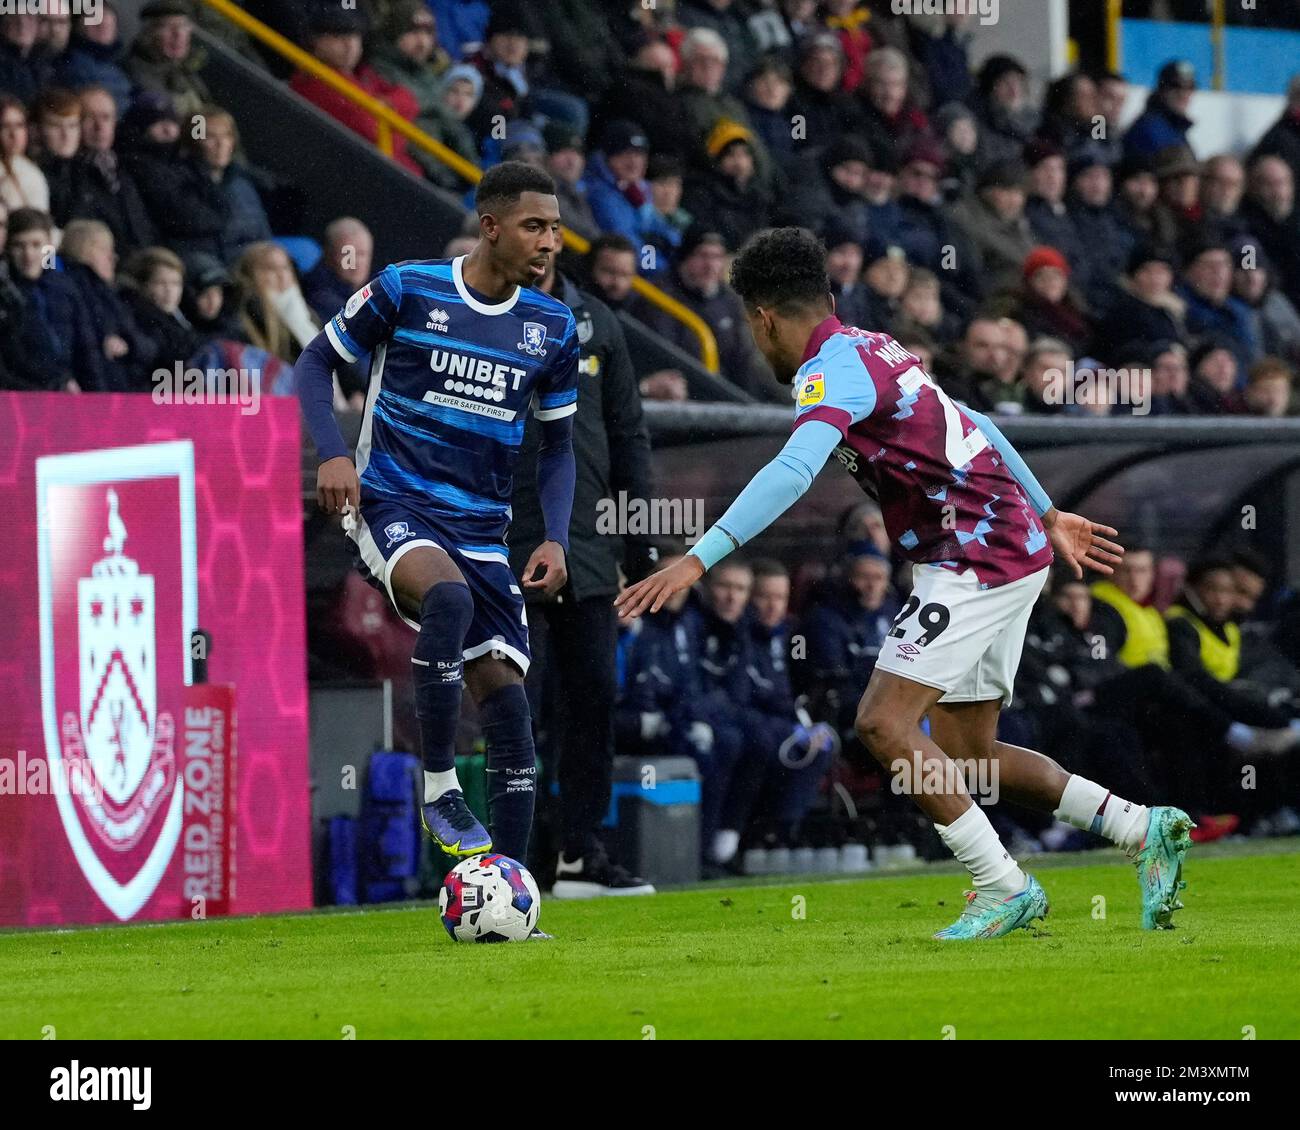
column 453, row 376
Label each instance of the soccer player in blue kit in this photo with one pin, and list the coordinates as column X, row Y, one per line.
column 461, row 350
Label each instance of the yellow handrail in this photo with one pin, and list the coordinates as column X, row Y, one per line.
column 388, row 121
column 1114, row 16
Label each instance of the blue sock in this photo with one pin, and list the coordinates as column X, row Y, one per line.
column 445, row 614
column 511, row 769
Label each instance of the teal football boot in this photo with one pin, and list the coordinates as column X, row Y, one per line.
column 1159, row 864
column 989, row 915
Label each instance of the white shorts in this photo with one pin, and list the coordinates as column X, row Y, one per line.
column 960, row 638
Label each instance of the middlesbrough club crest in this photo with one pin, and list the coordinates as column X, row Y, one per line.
column 118, row 602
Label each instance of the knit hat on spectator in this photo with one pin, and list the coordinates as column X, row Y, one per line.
column 847, row 147
column 162, row 9
column 1039, row 150
column 864, row 548
column 696, row 236
column 1133, row 165
column 149, row 108
column 559, row 136
column 401, row 17
column 1085, row 159
column 1176, row 161
column 727, row 133
column 331, row 20
column 820, row 41
column 521, row 135
column 925, row 151
column 1145, row 253
column 1202, row 244
column 462, row 72
column 1002, row 174
column 1177, row 74
column 836, row 233
column 508, row 18
column 877, row 248
column 1044, row 256
column 665, row 165
column 619, row 137
column 948, row 113
column 203, row 270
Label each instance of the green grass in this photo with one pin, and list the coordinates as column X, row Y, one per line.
column 706, row 962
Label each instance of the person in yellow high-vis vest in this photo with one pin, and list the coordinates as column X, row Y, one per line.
column 1139, row 630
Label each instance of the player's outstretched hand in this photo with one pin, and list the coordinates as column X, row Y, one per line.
column 1080, row 542
column 337, row 485
column 549, row 557
column 651, row 594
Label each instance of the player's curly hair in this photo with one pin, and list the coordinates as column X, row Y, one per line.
column 782, row 269
column 503, row 184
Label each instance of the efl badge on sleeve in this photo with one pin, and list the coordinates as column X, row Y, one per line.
column 812, row 390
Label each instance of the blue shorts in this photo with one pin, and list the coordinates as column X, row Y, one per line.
column 387, row 530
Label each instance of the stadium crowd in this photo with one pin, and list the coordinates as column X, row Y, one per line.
column 1013, row 245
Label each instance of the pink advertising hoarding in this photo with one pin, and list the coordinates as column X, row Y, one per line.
column 130, row 525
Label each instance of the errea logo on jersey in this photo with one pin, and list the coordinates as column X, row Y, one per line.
column 812, row 390
column 534, row 339
column 438, row 319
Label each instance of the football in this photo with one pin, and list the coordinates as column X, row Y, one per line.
column 489, row 898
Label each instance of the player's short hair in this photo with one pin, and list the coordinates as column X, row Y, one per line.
column 503, row 185
column 782, row 269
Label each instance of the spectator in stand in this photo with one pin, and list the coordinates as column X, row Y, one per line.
column 1112, row 94
column 726, row 19
column 103, row 187
column 188, row 209
column 1270, row 213
column 272, row 310
column 1105, row 243
column 1001, row 103
column 57, row 115
column 832, row 188
column 1070, row 111
column 844, row 264
column 957, row 130
column 1223, row 185
column 918, row 343
column 59, row 338
column 730, row 198
column 1206, row 287
column 566, row 161
column 975, row 361
column 246, row 219
column 157, row 284
column 53, row 35
column 941, row 45
column 524, row 142
column 1170, row 379
column 924, row 230
column 664, row 214
column 1268, row 388
column 848, row 20
column 1045, row 209
column 22, row 184
column 770, row 105
column 845, row 630
column 615, row 182
column 890, row 121
column 205, row 301
column 819, row 102
column 345, row 266
column 1275, row 320
column 1179, row 175
column 127, row 355
column 25, row 66
column 95, row 56
column 611, row 267
column 335, row 39
column 1283, row 136
column 1137, row 203
column 462, row 24
column 459, row 90
column 164, row 59
column 1164, row 122
column 648, row 92
column 702, row 99
column 1146, row 308
column 698, row 279
column 1044, row 305
column 1214, row 387
column 921, row 307
column 883, row 284
column 1043, row 377
column 995, row 225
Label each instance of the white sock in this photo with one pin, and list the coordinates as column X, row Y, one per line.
column 1120, row 821
column 973, row 841
column 725, row 843
column 435, row 784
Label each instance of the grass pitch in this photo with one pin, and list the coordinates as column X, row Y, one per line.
column 802, row 958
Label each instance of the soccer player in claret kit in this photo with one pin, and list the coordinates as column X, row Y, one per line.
column 461, row 350
column 959, row 502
